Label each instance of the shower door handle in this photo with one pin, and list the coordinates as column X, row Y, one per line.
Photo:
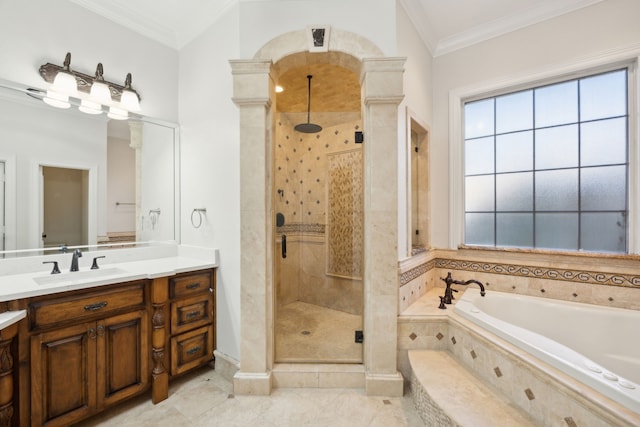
column 284, row 246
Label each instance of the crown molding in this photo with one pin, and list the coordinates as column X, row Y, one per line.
column 508, row 24
column 420, row 20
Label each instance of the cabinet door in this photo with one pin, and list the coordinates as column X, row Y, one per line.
column 63, row 375
column 122, row 357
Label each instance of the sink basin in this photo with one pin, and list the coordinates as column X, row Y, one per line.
column 78, row 276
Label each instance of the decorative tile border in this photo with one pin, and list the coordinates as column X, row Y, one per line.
column 298, row 227
column 596, row 278
column 409, row 275
column 591, row 277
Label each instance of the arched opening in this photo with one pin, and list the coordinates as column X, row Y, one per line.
column 381, row 83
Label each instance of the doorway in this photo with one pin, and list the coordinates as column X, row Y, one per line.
column 65, row 194
column 318, row 185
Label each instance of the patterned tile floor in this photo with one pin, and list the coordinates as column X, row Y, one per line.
column 204, row 398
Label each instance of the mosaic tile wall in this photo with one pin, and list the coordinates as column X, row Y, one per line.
column 345, row 216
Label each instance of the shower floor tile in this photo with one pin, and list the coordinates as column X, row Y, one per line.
column 311, row 333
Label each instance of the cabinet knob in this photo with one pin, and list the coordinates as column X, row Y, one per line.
column 92, row 333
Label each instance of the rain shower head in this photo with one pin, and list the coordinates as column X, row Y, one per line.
column 308, row 127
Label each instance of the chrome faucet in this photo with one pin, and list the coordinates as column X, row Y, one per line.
column 448, row 292
column 74, row 260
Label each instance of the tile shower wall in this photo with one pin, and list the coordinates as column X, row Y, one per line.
column 312, row 272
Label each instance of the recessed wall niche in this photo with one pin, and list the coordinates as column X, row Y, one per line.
column 418, row 185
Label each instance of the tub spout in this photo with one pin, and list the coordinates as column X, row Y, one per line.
column 482, row 292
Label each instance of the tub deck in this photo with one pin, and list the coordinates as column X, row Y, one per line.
column 548, row 395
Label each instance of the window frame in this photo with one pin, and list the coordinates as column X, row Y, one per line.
column 460, row 96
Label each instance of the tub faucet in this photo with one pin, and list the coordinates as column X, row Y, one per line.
column 448, row 292
column 74, row 260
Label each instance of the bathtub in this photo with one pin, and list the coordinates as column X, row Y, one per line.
column 598, row 346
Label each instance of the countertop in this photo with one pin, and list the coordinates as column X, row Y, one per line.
column 132, row 266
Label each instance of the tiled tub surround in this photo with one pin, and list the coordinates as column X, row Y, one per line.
column 609, row 281
column 575, row 338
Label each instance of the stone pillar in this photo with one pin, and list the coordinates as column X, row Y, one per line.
column 135, row 142
column 382, row 89
column 252, row 92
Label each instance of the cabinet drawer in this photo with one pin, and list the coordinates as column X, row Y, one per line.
column 189, row 313
column 190, row 284
column 94, row 304
column 191, row 349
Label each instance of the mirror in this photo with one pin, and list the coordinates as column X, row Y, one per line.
column 74, row 179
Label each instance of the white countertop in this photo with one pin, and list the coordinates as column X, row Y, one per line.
column 117, row 267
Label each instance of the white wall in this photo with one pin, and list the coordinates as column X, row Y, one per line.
column 34, row 32
column 557, row 44
column 261, row 21
column 209, row 126
column 418, row 92
column 121, row 178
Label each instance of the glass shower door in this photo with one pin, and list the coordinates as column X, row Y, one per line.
column 318, row 220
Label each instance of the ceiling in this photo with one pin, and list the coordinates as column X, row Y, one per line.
column 443, row 26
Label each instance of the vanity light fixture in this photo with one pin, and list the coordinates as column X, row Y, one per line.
column 94, row 92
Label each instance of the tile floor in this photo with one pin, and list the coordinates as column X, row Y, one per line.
column 311, row 333
column 204, row 398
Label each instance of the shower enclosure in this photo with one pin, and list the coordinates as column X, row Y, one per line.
column 318, row 222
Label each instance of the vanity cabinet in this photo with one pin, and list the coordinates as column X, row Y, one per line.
column 192, row 335
column 88, row 351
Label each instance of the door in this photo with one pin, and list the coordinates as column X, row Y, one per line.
column 63, row 375
column 318, row 220
column 65, row 206
column 122, row 357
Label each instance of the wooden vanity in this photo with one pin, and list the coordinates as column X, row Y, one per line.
column 79, row 352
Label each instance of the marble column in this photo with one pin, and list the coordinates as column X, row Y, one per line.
column 253, row 90
column 382, row 90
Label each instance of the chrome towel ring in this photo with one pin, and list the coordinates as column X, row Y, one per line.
column 198, row 218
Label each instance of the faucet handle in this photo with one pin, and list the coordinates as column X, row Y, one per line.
column 94, row 264
column 55, row 270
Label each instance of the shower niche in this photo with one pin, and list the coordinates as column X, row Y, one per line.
column 318, row 228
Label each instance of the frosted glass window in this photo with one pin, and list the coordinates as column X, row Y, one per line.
column 478, row 155
column 514, row 192
column 557, row 147
column 604, row 188
column 557, row 231
column 478, row 118
column 479, row 193
column 514, row 112
column 514, row 152
column 603, row 96
column 514, row 229
column 479, row 229
column 605, row 231
column 557, row 190
column 557, row 104
column 604, row 142
column 554, row 172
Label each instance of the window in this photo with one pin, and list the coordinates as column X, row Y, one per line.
column 548, row 167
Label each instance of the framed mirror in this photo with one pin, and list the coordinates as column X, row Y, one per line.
column 73, row 179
